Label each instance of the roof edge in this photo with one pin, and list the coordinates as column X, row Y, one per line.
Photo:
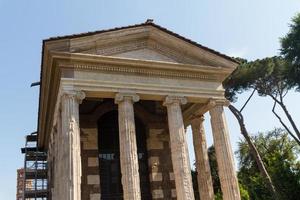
column 149, row 22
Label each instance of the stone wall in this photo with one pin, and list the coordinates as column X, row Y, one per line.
column 90, row 181
column 161, row 174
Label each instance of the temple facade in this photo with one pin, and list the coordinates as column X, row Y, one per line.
column 114, row 106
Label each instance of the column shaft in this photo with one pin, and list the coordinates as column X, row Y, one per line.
column 128, row 147
column 179, row 150
column 226, row 167
column 59, row 179
column 71, row 149
column 205, row 185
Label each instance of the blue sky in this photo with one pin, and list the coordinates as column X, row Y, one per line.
column 248, row 28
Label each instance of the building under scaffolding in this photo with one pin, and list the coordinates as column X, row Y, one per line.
column 33, row 178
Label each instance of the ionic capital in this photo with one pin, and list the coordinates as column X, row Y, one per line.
column 169, row 100
column 218, row 102
column 120, row 97
column 77, row 95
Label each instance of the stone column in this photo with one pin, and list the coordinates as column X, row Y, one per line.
column 226, row 167
column 128, row 148
column 71, row 136
column 179, row 150
column 51, row 163
column 58, row 187
column 205, row 185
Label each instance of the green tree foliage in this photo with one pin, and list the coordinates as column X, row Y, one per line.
column 279, row 153
column 272, row 77
column 244, row 193
column 268, row 77
column 290, row 50
column 214, row 172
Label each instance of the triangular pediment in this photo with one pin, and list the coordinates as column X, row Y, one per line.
column 146, row 49
column 144, row 54
column 145, row 41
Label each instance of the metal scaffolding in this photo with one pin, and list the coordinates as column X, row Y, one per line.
column 35, row 185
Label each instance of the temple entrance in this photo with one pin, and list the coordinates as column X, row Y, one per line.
column 109, row 157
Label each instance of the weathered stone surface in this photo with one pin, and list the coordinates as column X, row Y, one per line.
column 174, row 193
column 179, row 150
column 89, row 158
column 71, row 178
column 158, row 194
column 128, row 148
column 93, row 162
column 226, row 167
column 202, row 163
column 154, row 142
column 93, row 180
column 154, row 160
column 96, row 196
column 159, row 161
column 156, row 176
column 87, row 189
column 172, row 177
column 89, row 138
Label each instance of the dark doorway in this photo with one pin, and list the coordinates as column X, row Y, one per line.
column 109, row 158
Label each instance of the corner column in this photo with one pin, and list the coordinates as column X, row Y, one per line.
column 179, row 150
column 128, row 147
column 226, row 166
column 71, row 137
column 205, row 185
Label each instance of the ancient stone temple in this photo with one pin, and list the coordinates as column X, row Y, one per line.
column 113, row 109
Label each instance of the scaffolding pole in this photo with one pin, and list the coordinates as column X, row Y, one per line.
column 35, row 185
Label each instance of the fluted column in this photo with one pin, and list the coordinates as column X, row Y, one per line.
column 205, row 185
column 179, row 150
column 226, row 167
column 128, row 148
column 71, row 136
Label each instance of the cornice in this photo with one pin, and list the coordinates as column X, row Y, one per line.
column 110, row 64
column 137, row 62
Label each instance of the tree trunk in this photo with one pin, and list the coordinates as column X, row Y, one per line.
column 284, row 125
column 290, row 118
column 254, row 152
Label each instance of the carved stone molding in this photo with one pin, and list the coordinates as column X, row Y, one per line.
column 175, row 99
column 126, row 96
column 146, row 72
column 218, row 102
column 77, row 95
